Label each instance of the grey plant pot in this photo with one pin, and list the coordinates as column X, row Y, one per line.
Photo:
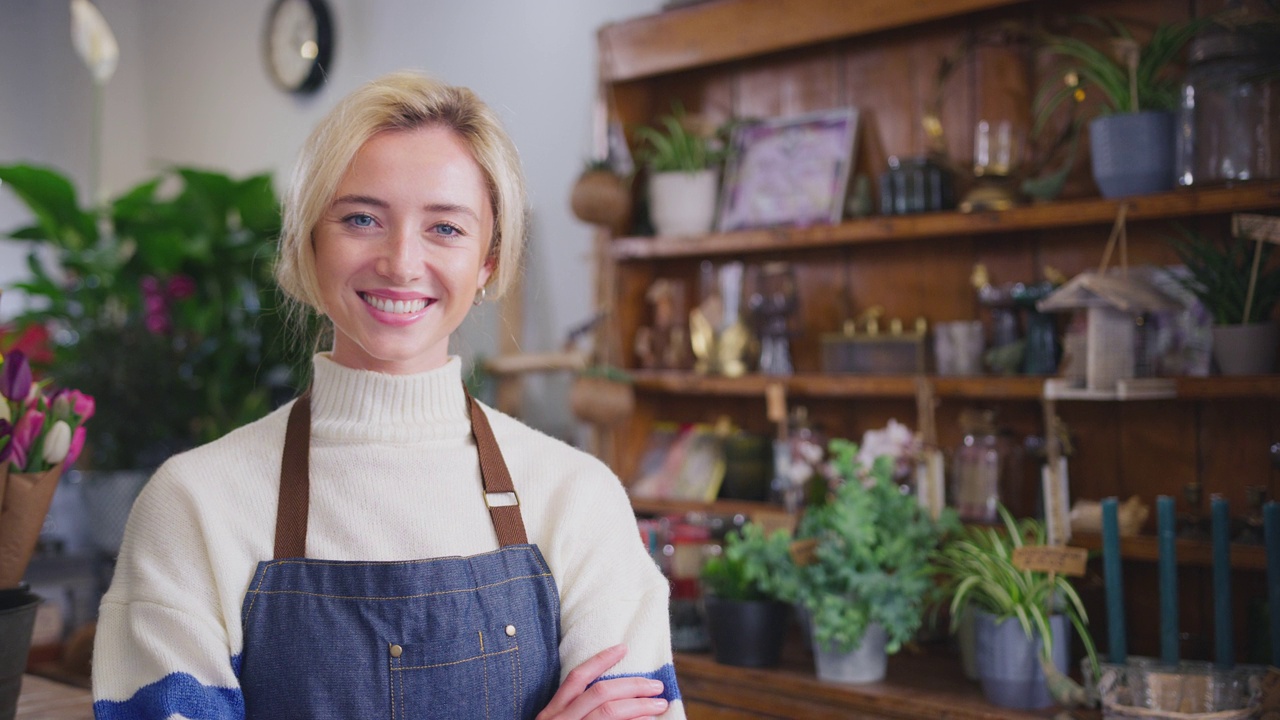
column 17, row 620
column 1246, row 349
column 866, row 663
column 1132, row 153
column 1008, row 661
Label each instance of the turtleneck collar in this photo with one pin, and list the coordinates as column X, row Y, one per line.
column 360, row 405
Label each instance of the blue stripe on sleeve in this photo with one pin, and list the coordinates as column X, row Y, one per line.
column 665, row 674
column 175, row 693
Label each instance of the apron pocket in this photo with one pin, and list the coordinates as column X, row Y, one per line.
column 471, row 675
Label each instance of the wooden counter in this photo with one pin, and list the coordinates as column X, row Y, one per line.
column 919, row 685
column 44, row 699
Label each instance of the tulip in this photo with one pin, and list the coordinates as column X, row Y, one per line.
column 6, row 414
column 94, row 41
column 57, row 443
column 82, row 405
column 25, row 433
column 77, row 444
column 15, row 380
column 60, row 407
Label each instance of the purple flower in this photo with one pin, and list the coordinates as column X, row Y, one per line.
column 181, row 287
column 15, row 380
column 25, row 433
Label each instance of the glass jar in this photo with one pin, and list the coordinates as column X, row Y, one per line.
column 1229, row 112
column 976, row 466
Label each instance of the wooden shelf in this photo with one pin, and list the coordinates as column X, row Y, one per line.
column 919, row 684
column 904, row 386
column 687, row 38
column 646, row 506
column 902, row 228
column 1189, row 552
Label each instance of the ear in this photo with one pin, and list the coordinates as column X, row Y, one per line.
column 486, row 269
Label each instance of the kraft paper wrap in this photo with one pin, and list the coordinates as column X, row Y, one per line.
column 26, row 499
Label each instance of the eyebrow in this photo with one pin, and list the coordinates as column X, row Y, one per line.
column 380, row 203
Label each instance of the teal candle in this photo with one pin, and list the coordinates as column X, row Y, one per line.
column 1271, row 533
column 1168, row 580
column 1224, row 640
column 1111, row 576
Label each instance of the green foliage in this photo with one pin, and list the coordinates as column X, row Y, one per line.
column 977, row 570
column 675, row 147
column 872, row 553
column 164, row 308
column 1106, row 71
column 753, row 566
column 1219, row 276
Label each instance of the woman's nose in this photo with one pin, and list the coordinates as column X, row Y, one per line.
column 400, row 259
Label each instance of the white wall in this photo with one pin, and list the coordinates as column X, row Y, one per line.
column 192, row 90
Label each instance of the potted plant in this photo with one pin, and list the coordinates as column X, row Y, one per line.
column 163, row 307
column 1239, row 286
column 864, row 574
column 741, row 590
column 1020, row 616
column 683, row 174
column 1131, row 140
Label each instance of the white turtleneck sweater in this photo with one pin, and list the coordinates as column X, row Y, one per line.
column 394, row 476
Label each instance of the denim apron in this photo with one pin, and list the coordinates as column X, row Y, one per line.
column 451, row 637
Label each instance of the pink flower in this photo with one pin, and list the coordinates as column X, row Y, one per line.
column 25, row 433
column 181, row 287
column 82, row 405
column 77, row 444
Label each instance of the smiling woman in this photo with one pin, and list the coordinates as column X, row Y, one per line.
column 385, row 545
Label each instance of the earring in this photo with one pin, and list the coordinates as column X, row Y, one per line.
column 480, row 296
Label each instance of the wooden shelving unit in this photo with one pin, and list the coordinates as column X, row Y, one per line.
column 760, row 58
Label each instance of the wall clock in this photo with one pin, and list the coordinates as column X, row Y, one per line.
column 298, row 44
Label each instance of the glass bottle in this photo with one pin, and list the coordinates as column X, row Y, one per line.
column 976, row 467
column 1229, row 110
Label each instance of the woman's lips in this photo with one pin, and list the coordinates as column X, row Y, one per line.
column 396, row 310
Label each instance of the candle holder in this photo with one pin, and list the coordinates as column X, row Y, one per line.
column 1144, row 688
column 1193, row 525
column 1250, row 530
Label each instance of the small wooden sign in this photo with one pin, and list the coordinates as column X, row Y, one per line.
column 1059, row 559
column 1256, row 227
column 773, row 520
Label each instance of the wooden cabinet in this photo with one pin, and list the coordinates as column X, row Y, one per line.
column 763, row 58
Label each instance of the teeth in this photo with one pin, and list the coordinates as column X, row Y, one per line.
column 398, row 307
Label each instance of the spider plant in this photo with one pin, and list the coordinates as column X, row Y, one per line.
column 1128, row 75
column 977, row 569
column 1219, row 275
column 675, row 147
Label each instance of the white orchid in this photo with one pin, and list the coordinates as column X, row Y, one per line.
column 94, row 41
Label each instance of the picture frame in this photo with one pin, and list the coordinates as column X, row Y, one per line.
column 789, row 171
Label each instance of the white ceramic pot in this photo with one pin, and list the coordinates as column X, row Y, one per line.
column 1246, row 349
column 682, row 203
column 866, row 663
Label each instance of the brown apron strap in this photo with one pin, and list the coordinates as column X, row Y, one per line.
column 295, row 482
column 507, row 522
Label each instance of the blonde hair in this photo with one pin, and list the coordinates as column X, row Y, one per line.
column 400, row 101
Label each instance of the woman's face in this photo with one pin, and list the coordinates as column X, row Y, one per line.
column 400, row 251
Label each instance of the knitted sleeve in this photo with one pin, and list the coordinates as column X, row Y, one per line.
column 611, row 591
column 162, row 648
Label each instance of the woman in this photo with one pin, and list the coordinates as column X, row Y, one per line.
column 384, row 546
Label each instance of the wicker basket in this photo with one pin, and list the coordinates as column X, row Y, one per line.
column 601, row 400
column 1143, row 689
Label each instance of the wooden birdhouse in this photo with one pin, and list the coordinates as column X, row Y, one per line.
column 1110, row 304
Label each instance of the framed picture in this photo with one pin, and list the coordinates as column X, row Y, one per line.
column 789, row 171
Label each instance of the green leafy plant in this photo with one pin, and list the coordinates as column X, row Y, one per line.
column 1128, row 75
column 753, row 566
column 1219, row 272
column 161, row 305
column 977, row 570
column 872, row 546
column 676, row 147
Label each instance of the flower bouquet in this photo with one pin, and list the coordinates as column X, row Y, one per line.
column 40, row 434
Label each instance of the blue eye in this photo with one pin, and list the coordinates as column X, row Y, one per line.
column 448, row 230
column 360, row 220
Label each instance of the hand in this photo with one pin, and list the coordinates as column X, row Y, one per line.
column 628, row 698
